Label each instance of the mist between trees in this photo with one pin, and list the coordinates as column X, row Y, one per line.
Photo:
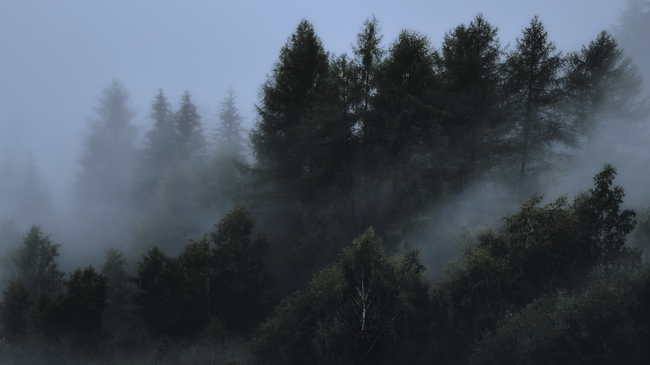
column 363, row 175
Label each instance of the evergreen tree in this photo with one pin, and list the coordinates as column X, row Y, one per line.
column 191, row 142
column 369, row 55
column 229, row 130
column 633, row 31
column 35, row 264
column 104, row 187
column 278, row 139
column 282, row 143
column 35, row 203
column 160, row 144
column 470, row 65
column 603, row 85
column 404, row 134
column 109, row 149
column 533, row 91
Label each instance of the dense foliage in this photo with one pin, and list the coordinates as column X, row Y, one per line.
column 342, row 143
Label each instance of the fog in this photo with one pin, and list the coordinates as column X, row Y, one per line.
column 57, row 57
column 62, row 62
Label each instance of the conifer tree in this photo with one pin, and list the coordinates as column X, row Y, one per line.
column 603, row 85
column 533, row 92
column 191, row 142
column 470, row 63
column 229, row 134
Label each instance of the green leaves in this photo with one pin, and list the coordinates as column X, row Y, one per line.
column 367, row 308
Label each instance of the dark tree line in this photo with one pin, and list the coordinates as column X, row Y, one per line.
column 343, row 142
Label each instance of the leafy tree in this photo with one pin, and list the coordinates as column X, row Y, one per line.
column 157, row 302
column 14, row 311
column 191, row 141
column 84, row 304
column 180, row 296
column 604, row 324
column 35, row 264
column 604, row 225
column 365, row 309
column 195, row 263
column 532, row 86
column 241, row 286
column 539, row 250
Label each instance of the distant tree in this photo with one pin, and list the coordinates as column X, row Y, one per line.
column 603, row 85
column 109, row 149
column 191, row 142
column 161, row 144
column 229, row 135
column 102, row 207
column 35, row 264
column 14, row 310
column 533, row 92
column 366, row 308
column 632, row 32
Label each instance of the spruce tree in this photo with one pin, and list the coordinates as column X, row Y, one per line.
column 190, row 139
column 229, row 136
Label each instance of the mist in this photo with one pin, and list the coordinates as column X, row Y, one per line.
column 130, row 128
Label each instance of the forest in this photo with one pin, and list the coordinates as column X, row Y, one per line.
column 311, row 233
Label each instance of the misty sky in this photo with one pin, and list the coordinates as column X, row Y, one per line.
column 57, row 56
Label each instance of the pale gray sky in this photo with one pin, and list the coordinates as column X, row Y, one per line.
column 57, row 56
